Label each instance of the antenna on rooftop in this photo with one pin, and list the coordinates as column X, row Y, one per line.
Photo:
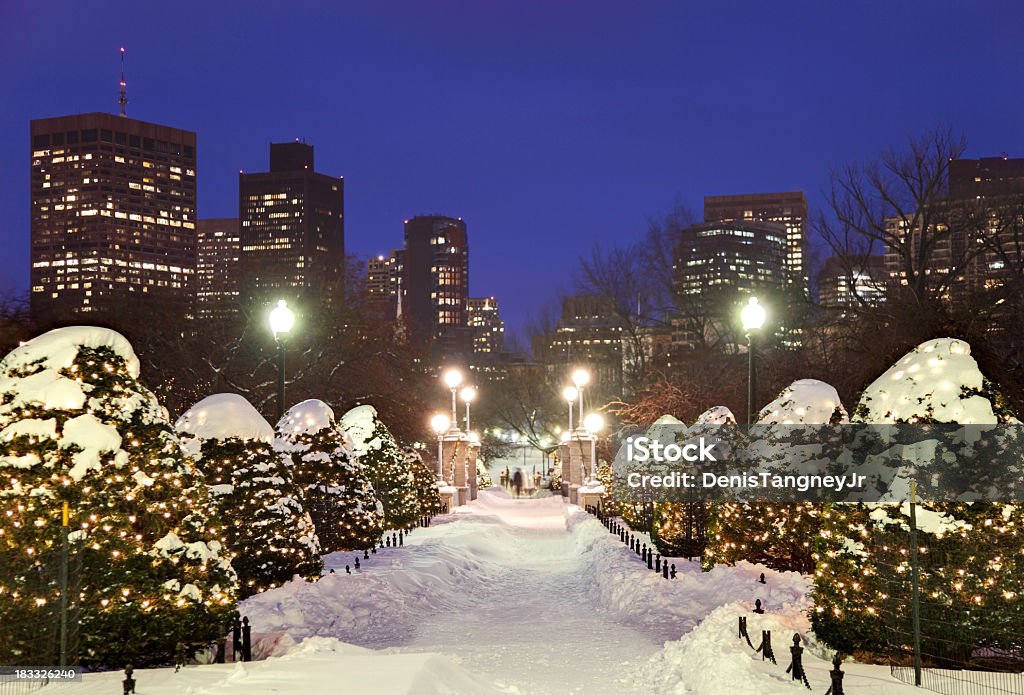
column 122, row 100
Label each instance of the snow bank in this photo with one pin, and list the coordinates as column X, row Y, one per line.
column 805, row 401
column 938, row 380
column 222, row 416
column 717, row 415
column 307, row 417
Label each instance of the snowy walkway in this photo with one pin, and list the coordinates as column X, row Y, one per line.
column 534, row 626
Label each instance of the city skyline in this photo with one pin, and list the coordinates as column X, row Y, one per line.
column 578, row 141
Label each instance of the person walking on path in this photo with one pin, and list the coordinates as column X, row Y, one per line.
column 517, row 482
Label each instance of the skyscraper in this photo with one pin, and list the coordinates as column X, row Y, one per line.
column 292, row 231
column 485, row 325
column 384, row 283
column 788, row 209
column 113, row 216
column 218, row 247
column 435, row 281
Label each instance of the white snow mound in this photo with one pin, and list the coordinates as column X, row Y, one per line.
column 929, row 383
column 717, row 415
column 358, row 424
column 804, row 402
column 222, row 416
column 308, row 417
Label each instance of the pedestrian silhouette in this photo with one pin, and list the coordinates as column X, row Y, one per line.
column 517, row 482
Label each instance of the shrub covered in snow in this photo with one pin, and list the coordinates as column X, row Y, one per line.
column 972, row 565
column 337, row 490
column 268, row 532
column 389, row 472
column 426, row 482
column 779, row 535
column 77, row 427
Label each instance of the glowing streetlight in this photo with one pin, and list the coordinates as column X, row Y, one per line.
column 593, row 423
column 752, row 316
column 452, row 379
column 440, row 424
column 570, row 394
column 281, row 321
column 467, row 394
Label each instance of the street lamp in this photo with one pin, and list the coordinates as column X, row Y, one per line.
column 467, row 394
column 570, row 394
column 752, row 316
column 581, row 377
column 593, row 423
column 440, row 424
column 452, row 379
column 281, row 321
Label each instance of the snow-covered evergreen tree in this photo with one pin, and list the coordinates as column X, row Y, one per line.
column 392, row 480
column 483, row 476
column 778, row 534
column 77, row 427
column 426, row 482
column 270, row 536
column 337, row 490
column 972, row 555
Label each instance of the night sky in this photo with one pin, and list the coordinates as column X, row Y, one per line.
column 547, row 126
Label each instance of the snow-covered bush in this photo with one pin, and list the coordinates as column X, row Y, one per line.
column 779, row 534
column 270, row 536
column 335, row 486
column 392, row 480
column 77, row 427
column 972, row 562
column 426, row 482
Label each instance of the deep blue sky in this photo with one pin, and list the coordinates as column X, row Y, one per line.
column 547, row 126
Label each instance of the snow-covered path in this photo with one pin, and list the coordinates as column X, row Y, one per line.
column 534, row 626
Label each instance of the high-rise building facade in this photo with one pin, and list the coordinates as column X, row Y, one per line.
column 218, row 251
column 292, row 231
column 857, row 280
column 588, row 335
column 985, row 177
column 717, row 264
column 435, row 280
column 485, row 325
column 384, row 283
column 113, row 216
column 788, row 209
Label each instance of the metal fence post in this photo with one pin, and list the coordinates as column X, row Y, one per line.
column 915, row 601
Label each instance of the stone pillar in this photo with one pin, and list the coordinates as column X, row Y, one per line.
column 474, row 484
column 579, row 462
column 563, row 460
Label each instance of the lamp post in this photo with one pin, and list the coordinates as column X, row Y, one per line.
column 570, row 394
column 593, row 423
column 281, row 321
column 452, row 379
column 752, row 316
column 581, row 377
column 440, row 424
column 467, row 394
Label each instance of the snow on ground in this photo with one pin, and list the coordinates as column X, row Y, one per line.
column 517, row 597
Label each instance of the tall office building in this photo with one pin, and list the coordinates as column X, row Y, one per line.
column 435, row 280
column 588, row 334
column 384, row 283
column 788, row 209
column 858, row 280
column 113, row 216
column 485, row 325
column 292, row 231
column 218, row 251
column 985, row 177
column 717, row 264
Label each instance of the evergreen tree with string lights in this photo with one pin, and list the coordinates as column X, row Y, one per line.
column 777, row 534
column 970, row 554
column 147, row 564
column 426, row 482
column 268, row 532
column 386, row 465
column 337, row 490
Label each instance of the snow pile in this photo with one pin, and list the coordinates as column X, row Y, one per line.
column 358, row 424
column 307, row 417
column 938, row 381
column 38, row 372
column 224, row 416
column 716, row 415
column 805, row 401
